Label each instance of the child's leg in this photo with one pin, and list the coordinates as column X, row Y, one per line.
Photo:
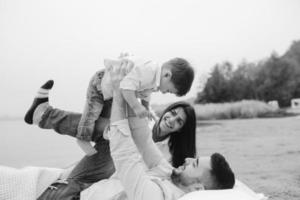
column 93, row 108
column 87, row 147
column 41, row 97
column 46, row 117
column 64, row 122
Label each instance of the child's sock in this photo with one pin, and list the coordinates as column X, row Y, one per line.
column 41, row 97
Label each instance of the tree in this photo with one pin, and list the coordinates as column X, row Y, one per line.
column 276, row 78
column 276, row 81
column 242, row 82
column 216, row 88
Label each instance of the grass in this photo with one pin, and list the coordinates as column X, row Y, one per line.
column 242, row 109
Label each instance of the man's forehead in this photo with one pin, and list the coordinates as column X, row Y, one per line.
column 203, row 158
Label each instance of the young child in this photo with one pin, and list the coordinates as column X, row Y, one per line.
column 174, row 76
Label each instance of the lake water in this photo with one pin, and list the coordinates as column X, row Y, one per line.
column 22, row 145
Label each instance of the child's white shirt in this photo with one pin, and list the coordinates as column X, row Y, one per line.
column 143, row 77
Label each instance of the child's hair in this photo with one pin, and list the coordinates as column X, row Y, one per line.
column 182, row 75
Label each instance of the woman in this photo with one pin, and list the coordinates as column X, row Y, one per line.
column 175, row 128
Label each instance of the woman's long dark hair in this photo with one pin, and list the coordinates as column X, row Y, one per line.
column 182, row 143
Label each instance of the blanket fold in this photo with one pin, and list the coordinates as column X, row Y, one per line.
column 27, row 183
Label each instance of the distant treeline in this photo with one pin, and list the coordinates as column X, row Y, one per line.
column 276, row 78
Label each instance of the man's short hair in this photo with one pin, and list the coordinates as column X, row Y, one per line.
column 221, row 171
column 182, row 75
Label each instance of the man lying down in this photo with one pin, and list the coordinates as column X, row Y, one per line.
column 131, row 141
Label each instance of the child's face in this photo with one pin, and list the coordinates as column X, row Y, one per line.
column 167, row 86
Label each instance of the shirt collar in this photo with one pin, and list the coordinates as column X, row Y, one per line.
column 171, row 191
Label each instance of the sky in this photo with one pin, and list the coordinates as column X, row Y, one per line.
column 67, row 40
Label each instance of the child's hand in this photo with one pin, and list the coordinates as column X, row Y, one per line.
column 144, row 93
column 153, row 116
column 141, row 112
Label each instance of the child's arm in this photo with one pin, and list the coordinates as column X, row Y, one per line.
column 87, row 147
column 130, row 98
column 152, row 114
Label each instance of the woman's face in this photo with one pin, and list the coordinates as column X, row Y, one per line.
column 172, row 121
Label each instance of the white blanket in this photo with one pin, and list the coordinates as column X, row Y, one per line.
column 112, row 189
column 239, row 192
column 30, row 182
column 26, row 183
